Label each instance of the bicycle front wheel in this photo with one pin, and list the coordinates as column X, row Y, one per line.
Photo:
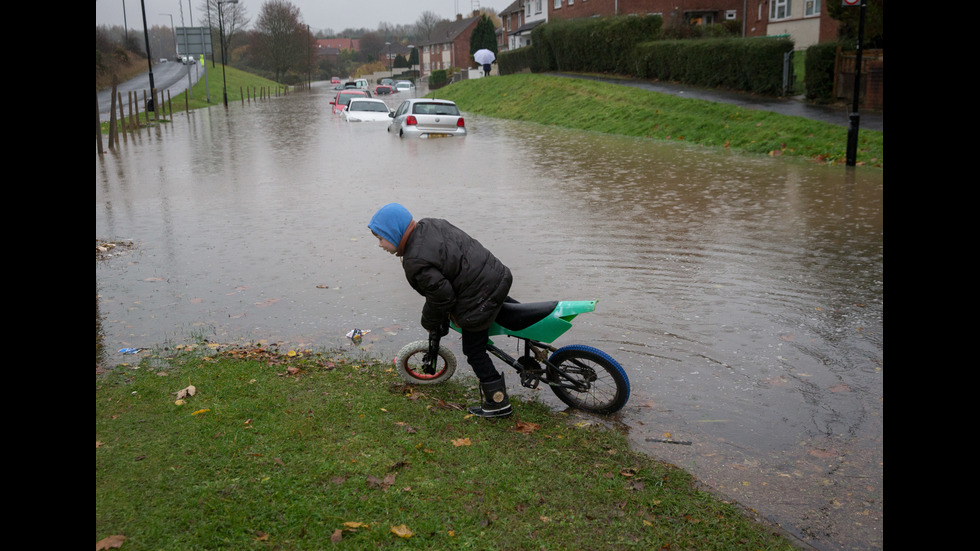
column 410, row 367
column 600, row 384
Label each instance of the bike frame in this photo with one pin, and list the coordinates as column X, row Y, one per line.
column 536, row 340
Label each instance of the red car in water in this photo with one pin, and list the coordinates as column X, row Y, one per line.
column 383, row 90
column 343, row 98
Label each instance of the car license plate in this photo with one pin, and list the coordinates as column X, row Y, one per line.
column 436, row 135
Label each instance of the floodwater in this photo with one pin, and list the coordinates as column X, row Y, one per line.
column 744, row 296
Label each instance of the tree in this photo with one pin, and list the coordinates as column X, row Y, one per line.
column 424, row 26
column 281, row 39
column 874, row 22
column 484, row 36
column 372, row 44
column 234, row 19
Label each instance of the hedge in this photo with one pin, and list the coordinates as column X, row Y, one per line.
column 634, row 46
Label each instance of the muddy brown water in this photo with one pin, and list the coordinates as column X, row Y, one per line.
column 744, row 296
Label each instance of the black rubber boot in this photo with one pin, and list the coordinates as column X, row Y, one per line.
column 495, row 401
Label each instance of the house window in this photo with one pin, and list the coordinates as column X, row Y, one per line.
column 811, row 7
column 537, row 6
column 557, row 4
column 779, row 9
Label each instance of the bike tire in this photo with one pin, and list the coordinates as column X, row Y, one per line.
column 609, row 387
column 408, row 363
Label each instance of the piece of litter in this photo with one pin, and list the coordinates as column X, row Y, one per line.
column 356, row 334
column 129, row 350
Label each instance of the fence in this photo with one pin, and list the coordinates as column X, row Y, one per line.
column 871, row 91
column 122, row 125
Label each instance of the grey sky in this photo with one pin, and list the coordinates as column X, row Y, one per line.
column 318, row 14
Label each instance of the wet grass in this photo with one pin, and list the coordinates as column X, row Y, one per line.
column 295, row 451
column 614, row 109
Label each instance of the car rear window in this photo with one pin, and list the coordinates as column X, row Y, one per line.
column 368, row 106
column 435, row 109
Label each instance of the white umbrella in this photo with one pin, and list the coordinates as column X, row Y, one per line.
column 484, row 56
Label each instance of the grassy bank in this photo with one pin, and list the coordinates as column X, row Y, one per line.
column 302, row 451
column 615, row 109
column 239, row 85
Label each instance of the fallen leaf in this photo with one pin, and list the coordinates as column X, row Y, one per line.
column 110, row 542
column 526, row 428
column 337, row 535
column 185, row 392
column 261, row 536
column 354, row 524
column 402, row 531
column 462, row 442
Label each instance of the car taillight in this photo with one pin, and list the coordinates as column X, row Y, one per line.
column 460, row 123
column 410, row 120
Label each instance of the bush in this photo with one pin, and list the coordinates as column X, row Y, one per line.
column 754, row 64
column 438, row 79
column 819, row 79
column 605, row 44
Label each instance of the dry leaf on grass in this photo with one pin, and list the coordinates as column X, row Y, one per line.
column 185, row 392
column 110, row 542
column 402, row 531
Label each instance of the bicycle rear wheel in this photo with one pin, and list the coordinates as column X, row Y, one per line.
column 601, row 384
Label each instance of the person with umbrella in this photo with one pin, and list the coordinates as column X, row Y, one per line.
column 484, row 57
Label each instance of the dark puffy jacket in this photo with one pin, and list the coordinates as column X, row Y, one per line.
column 456, row 275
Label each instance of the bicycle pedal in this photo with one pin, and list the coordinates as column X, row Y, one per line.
column 529, row 381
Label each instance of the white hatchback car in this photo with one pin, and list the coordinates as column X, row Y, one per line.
column 427, row 118
column 366, row 110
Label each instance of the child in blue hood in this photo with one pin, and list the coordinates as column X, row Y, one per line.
column 460, row 280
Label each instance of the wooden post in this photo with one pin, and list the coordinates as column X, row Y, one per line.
column 98, row 125
column 112, row 113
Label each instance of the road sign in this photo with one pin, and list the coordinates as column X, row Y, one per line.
column 194, row 40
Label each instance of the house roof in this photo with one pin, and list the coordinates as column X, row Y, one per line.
column 339, row 43
column 526, row 28
column 447, row 31
column 515, row 6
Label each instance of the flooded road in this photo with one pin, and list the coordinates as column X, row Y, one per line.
column 742, row 295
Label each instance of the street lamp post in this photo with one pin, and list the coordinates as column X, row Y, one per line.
column 390, row 70
column 224, row 56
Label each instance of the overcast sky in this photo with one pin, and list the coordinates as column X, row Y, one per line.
column 318, row 14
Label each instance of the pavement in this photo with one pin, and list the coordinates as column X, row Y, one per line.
column 795, row 106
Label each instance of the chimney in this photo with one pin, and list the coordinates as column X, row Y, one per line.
column 459, row 17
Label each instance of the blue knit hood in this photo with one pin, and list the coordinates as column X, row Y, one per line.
column 390, row 222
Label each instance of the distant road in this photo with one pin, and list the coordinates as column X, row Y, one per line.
column 170, row 76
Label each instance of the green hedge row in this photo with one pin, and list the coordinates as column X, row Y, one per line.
column 635, row 46
column 605, row 44
column 819, row 75
column 753, row 64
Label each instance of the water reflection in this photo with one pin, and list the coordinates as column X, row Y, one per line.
column 743, row 295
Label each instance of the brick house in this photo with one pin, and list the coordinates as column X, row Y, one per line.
column 448, row 45
column 331, row 47
column 805, row 21
column 518, row 20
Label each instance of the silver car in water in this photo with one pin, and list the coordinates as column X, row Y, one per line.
column 427, row 118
